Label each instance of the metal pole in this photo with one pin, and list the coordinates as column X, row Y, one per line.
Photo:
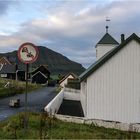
column 26, row 117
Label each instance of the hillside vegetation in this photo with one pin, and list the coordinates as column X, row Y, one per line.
column 44, row 127
column 56, row 62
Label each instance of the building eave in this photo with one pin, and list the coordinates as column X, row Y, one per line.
column 5, row 60
column 107, row 56
column 74, row 76
column 40, row 73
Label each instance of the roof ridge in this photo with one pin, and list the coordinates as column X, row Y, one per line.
column 107, row 39
column 107, row 56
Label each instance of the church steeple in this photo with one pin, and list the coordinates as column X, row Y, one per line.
column 107, row 29
column 106, row 43
column 107, row 26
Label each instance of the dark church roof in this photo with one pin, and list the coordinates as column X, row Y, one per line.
column 107, row 56
column 107, row 39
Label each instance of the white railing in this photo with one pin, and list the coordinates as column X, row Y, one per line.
column 54, row 105
column 65, row 93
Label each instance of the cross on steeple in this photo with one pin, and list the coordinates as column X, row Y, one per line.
column 107, row 20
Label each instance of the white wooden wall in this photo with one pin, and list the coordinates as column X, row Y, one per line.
column 84, row 97
column 113, row 91
column 103, row 49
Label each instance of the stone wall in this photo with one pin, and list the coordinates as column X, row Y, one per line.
column 103, row 123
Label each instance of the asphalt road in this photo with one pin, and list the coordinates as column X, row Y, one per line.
column 37, row 100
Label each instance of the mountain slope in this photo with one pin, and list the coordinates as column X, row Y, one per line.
column 57, row 63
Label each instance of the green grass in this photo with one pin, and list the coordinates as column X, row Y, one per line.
column 44, row 127
column 15, row 87
column 54, row 77
column 58, row 89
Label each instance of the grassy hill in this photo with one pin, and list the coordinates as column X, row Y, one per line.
column 57, row 63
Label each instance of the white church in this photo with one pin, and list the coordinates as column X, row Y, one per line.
column 110, row 88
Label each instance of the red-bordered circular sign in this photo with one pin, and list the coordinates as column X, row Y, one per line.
column 28, row 53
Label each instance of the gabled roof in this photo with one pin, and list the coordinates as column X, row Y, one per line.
column 108, row 39
column 7, row 69
column 4, row 58
column 37, row 69
column 107, row 56
column 66, row 76
column 40, row 73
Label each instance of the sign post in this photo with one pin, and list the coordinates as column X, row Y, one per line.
column 26, row 118
column 27, row 53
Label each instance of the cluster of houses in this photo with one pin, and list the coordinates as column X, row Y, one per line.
column 9, row 70
column 39, row 75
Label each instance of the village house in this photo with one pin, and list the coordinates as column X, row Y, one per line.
column 64, row 81
column 9, row 69
column 40, row 75
column 4, row 61
column 12, row 72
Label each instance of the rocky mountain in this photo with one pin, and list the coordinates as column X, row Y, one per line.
column 56, row 62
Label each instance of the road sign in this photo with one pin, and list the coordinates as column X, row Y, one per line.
column 28, row 53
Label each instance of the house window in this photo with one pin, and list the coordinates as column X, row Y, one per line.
column 3, row 75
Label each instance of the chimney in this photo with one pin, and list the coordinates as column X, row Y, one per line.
column 122, row 38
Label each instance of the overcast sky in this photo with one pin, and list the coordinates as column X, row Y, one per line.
column 70, row 27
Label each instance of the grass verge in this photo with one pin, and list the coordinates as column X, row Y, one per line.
column 40, row 126
column 15, row 87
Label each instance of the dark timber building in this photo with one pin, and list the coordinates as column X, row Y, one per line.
column 40, row 75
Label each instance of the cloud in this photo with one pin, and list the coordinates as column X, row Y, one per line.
column 73, row 28
column 5, row 5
